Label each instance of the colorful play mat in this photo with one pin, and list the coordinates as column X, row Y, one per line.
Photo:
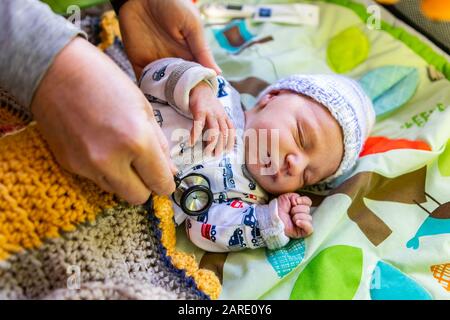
column 383, row 231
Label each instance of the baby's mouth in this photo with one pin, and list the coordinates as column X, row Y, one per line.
column 269, row 168
column 267, row 165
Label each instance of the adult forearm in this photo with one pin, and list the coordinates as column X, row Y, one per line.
column 31, row 35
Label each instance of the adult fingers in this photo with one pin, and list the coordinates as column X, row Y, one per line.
column 152, row 166
column 103, row 183
column 200, row 49
column 126, row 184
column 115, row 175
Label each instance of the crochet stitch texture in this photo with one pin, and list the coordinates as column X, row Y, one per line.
column 52, row 222
column 61, row 237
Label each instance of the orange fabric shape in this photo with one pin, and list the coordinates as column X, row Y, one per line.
column 387, row 1
column 441, row 272
column 436, row 9
column 432, row 9
column 382, row 144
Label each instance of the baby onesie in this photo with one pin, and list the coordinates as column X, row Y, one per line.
column 241, row 215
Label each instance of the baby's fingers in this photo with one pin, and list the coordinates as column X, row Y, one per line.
column 303, row 200
column 305, row 226
column 292, row 196
column 197, row 127
column 223, row 136
column 300, row 209
column 231, row 135
column 212, row 135
column 301, row 216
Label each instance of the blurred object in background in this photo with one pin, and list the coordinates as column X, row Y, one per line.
column 429, row 17
column 60, row 6
column 387, row 1
column 438, row 10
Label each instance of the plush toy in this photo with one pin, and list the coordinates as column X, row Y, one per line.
column 433, row 9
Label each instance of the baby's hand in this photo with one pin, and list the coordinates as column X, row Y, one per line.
column 208, row 112
column 293, row 210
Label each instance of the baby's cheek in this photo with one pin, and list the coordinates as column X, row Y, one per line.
column 296, row 184
column 332, row 165
column 267, row 183
column 285, row 185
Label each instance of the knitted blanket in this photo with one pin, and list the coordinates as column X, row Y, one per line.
column 63, row 238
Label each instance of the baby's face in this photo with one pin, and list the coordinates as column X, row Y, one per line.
column 310, row 142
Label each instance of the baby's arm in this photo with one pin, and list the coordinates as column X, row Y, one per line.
column 171, row 80
column 236, row 225
column 191, row 89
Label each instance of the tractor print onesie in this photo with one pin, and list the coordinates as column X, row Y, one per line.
column 241, row 215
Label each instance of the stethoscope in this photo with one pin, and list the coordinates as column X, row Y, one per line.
column 193, row 193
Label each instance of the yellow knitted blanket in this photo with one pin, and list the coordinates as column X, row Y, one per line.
column 51, row 221
column 39, row 201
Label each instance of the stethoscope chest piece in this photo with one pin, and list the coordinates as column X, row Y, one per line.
column 193, row 194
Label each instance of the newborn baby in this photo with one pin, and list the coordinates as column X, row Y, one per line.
column 303, row 130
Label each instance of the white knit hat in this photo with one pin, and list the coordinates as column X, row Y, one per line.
column 347, row 103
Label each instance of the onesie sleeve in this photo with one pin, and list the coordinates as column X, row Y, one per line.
column 170, row 81
column 235, row 225
column 272, row 228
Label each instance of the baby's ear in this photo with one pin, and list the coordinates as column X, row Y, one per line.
column 265, row 99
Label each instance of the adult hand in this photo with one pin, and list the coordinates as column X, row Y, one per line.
column 100, row 126
column 154, row 29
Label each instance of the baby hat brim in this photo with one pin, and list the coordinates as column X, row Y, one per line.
column 347, row 103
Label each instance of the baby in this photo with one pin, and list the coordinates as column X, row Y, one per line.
column 303, row 130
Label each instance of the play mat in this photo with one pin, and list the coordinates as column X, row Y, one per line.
column 383, row 232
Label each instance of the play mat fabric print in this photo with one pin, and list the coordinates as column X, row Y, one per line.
column 383, row 231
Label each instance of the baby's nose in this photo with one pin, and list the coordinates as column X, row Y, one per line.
column 294, row 165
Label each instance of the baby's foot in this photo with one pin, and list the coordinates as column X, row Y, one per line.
column 294, row 211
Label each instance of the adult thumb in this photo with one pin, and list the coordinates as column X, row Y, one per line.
column 201, row 51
